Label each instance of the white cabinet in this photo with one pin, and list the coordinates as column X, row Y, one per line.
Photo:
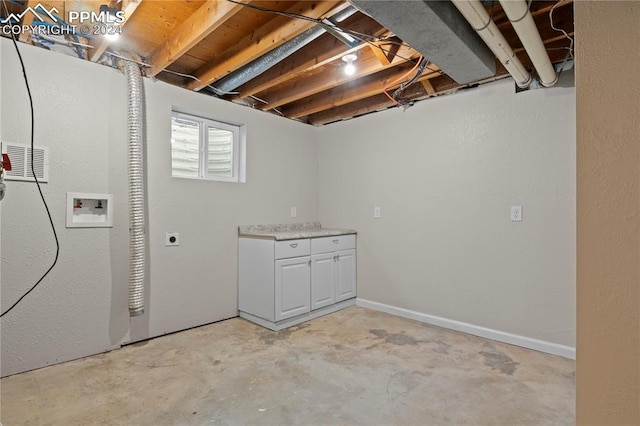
column 292, row 291
column 283, row 283
column 333, row 270
column 345, row 275
column 322, row 280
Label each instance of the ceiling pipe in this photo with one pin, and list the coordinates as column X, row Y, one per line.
column 518, row 13
column 477, row 16
column 271, row 58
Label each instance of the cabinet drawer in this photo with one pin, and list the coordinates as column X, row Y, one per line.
column 328, row 244
column 292, row 248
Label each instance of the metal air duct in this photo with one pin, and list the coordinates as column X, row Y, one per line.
column 271, row 58
column 136, row 123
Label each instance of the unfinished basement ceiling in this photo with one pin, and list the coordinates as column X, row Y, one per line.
column 275, row 56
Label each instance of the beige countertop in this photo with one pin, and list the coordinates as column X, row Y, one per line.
column 290, row 231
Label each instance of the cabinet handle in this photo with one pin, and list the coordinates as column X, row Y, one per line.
column 335, row 241
column 294, row 245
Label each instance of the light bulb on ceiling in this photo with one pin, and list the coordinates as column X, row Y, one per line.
column 112, row 37
column 350, row 68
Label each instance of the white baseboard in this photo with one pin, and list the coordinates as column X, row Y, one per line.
column 500, row 336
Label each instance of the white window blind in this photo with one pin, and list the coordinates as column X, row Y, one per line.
column 202, row 148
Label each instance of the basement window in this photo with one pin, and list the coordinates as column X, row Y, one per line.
column 202, row 148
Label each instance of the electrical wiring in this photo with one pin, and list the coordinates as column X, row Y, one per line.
column 124, row 58
column 218, row 91
column 560, row 30
column 418, row 73
column 221, row 92
column 393, row 83
column 35, row 177
column 276, row 12
column 193, row 77
column 63, row 42
column 258, row 99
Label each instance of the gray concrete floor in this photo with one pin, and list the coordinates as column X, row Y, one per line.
column 356, row 366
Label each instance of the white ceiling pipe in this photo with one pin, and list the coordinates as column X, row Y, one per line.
column 518, row 13
column 475, row 13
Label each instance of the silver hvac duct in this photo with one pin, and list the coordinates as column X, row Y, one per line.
column 136, row 188
column 475, row 13
column 271, row 58
column 522, row 21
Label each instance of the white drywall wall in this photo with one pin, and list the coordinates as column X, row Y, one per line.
column 196, row 283
column 81, row 308
column 70, row 314
column 445, row 174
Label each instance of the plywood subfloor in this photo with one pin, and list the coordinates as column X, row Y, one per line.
column 354, row 367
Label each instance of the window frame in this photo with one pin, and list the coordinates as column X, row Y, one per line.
column 238, row 147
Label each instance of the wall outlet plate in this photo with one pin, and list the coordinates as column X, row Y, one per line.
column 376, row 212
column 516, row 213
column 172, row 239
column 294, row 211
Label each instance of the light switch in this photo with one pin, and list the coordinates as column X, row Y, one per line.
column 294, row 211
column 516, row 213
column 376, row 212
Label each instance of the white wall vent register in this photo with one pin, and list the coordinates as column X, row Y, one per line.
column 20, row 156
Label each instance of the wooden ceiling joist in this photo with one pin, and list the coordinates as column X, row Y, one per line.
column 363, row 106
column 264, row 39
column 101, row 43
column 428, row 87
column 210, row 16
column 209, row 39
column 534, row 13
column 372, row 85
column 333, row 76
column 319, row 53
column 385, row 51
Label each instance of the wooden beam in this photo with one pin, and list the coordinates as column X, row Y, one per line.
column 548, row 41
column 377, row 49
column 428, row 87
column 320, row 52
column 210, row 16
column 101, row 43
column 264, row 39
column 385, row 51
column 342, row 95
column 534, row 13
column 442, row 84
column 332, row 76
column 363, row 106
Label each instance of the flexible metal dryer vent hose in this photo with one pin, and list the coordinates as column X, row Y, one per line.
column 137, row 247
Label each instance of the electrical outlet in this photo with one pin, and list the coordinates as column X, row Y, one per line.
column 294, row 211
column 516, row 213
column 376, row 212
column 172, row 239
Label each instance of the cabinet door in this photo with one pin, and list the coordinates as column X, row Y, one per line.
column 323, row 276
column 292, row 286
column 346, row 275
